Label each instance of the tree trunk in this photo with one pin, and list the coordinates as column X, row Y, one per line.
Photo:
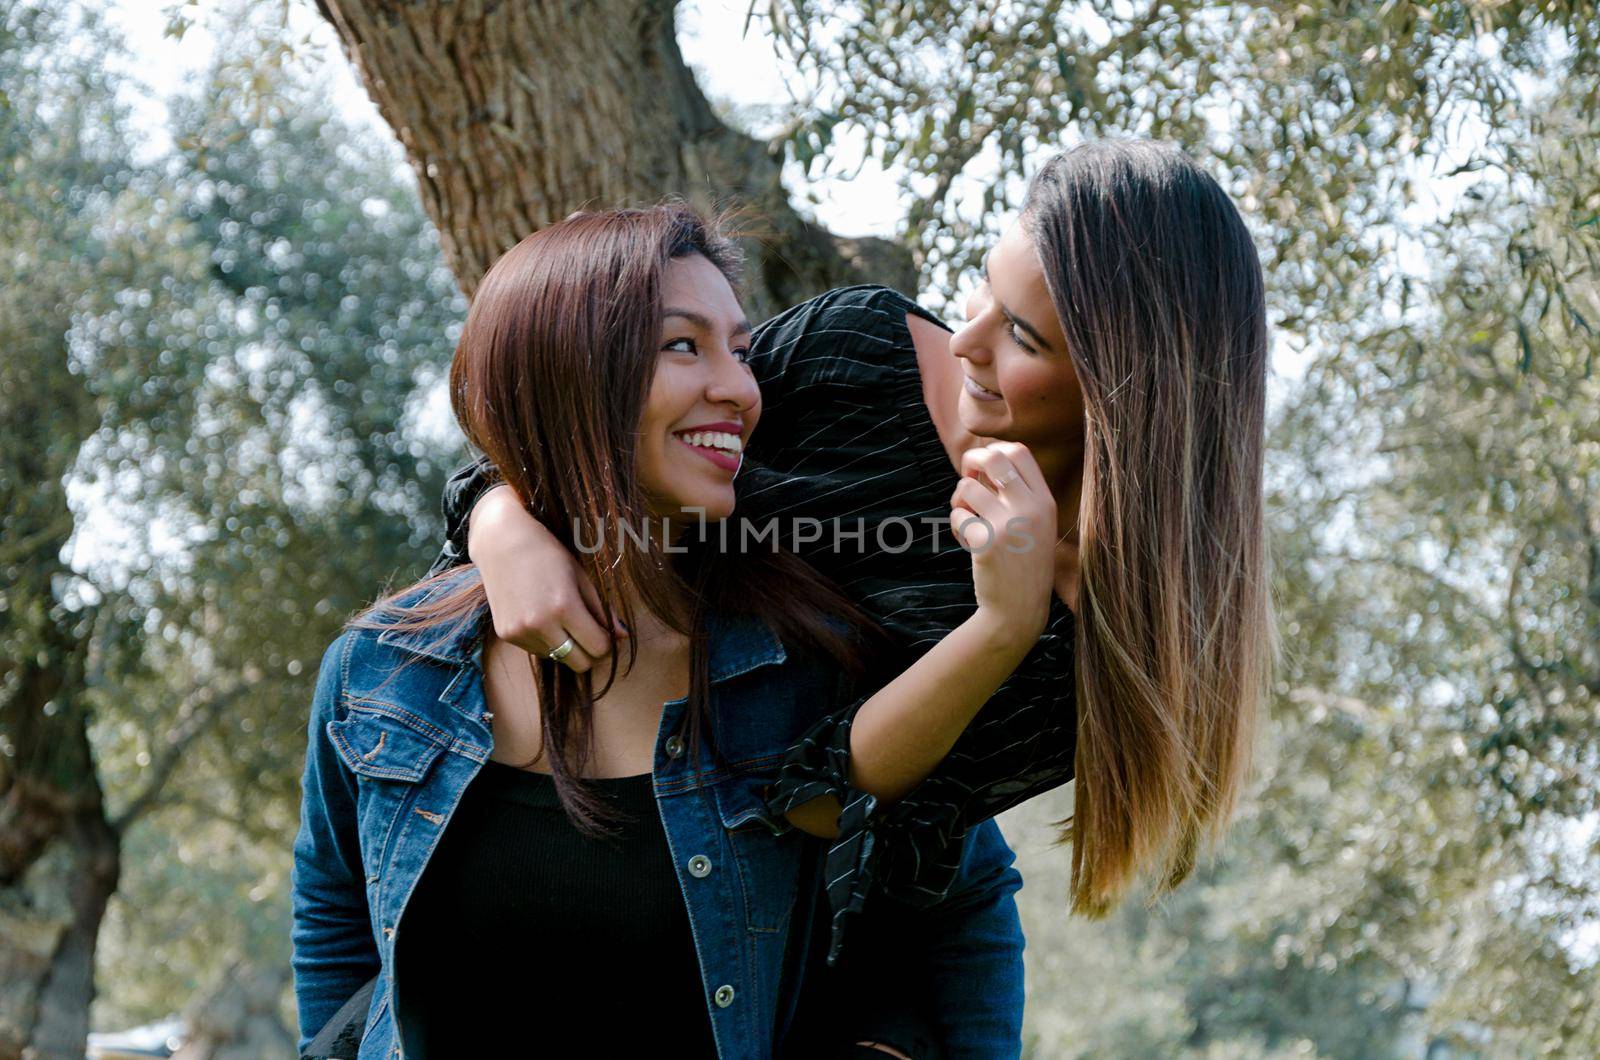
column 59, row 855
column 516, row 113
column 49, row 926
column 237, row 1019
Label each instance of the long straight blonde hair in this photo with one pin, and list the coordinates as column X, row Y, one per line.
column 1160, row 294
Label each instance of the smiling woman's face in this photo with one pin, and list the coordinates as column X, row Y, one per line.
column 703, row 400
column 1020, row 385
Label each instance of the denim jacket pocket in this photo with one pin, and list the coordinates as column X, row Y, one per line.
column 382, row 744
column 390, row 757
column 766, row 852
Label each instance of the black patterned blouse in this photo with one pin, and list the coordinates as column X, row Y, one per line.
column 845, row 439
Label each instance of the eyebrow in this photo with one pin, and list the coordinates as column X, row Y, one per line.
column 1033, row 332
column 703, row 322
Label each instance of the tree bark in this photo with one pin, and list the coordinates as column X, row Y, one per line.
column 237, row 1019
column 49, row 927
column 516, row 113
column 59, row 855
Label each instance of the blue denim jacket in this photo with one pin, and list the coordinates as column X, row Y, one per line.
column 386, row 768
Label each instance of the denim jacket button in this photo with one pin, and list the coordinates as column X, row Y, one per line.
column 699, row 866
column 724, row 996
column 674, row 746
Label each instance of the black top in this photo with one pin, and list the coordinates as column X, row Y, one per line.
column 845, row 438
column 523, row 931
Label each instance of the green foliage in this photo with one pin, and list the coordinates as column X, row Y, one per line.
column 63, row 191
column 227, row 349
column 1472, row 596
column 299, row 484
column 1316, row 116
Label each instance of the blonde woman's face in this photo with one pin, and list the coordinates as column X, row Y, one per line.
column 1020, row 385
column 703, row 401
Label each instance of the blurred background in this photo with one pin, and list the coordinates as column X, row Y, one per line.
column 232, row 270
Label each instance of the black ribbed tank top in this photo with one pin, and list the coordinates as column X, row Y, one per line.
column 525, row 932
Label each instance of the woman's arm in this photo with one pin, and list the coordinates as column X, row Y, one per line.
column 334, row 952
column 1004, row 514
column 905, row 729
column 538, row 595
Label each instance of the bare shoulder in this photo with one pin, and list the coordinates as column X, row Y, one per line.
column 932, row 342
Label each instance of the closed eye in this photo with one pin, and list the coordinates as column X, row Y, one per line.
column 1011, row 329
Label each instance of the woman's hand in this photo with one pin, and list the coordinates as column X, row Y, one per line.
column 538, row 595
column 1002, row 512
column 902, row 732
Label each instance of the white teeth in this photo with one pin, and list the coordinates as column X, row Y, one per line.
column 715, row 440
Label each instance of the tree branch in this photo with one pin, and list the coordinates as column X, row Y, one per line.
column 196, row 715
column 60, row 529
column 1531, row 670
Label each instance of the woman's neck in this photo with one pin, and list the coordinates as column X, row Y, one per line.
column 648, row 630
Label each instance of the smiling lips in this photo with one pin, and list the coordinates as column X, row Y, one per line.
column 720, row 443
column 982, row 393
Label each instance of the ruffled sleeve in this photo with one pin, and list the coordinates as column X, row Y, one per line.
column 817, row 766
column 461, row 491
column 895, row 849
column 1021, row 744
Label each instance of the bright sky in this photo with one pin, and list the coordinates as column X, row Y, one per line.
column 732, row 66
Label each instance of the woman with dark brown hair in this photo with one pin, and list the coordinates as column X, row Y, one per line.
column 512, row 853
column 1120, row 334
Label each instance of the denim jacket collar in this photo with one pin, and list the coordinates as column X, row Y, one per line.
column 739, row 642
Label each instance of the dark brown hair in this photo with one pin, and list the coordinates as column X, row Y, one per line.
column 1160, row 295
column 550, row 380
